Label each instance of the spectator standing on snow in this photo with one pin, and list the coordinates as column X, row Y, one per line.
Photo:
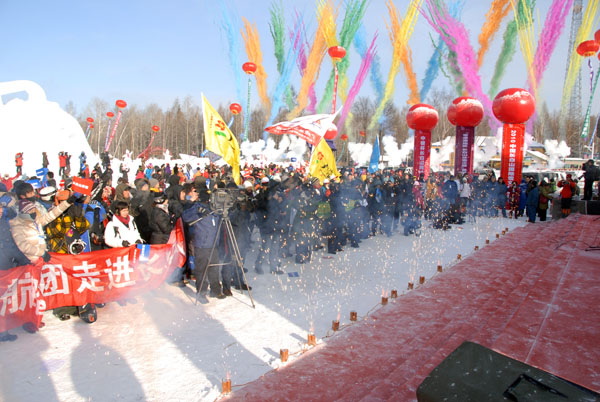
column 19, row 163
column 566, row 194
column 62, row 164
column 591, row 174
column 533, row 199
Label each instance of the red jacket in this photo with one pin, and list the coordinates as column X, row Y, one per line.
column 19, row 159
column 568, row 188
column 62, row 161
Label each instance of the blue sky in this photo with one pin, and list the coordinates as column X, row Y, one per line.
column 155, row 51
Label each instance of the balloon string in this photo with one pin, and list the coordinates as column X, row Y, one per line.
column 335, row 85
column 247, row 120
column 114, row 130
column 591, row 73
column 107, row 134
column 586, row 121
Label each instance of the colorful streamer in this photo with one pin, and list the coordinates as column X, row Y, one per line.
column 360, row 77
column 231, row 30
column 252, row 41
column 584, row 32
column 313, row 64
column 456, row 38
column 277, row 28
column 400, row 32
column 355, row 10
column 493, row 18
column 553, row 26
column 360, row 43
column 527, row 42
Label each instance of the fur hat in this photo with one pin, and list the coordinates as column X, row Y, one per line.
column 159, row 197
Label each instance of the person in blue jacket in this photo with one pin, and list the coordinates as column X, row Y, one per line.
column 203, row 226
column 533, row 199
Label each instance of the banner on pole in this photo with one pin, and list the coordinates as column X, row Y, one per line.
column 464, row 150
column 422, row 153
column 513, row 141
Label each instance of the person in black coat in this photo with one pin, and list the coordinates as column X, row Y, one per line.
column 141, row 208
column 161, row 220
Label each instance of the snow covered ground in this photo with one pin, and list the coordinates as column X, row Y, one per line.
column 166, row 348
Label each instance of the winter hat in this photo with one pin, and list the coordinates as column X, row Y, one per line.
column 247, row 184
column 326, row 181
column 159, row 197
column 277, row 178
column 47, row 193
column 264, row 180
column 153, row 183
column 26, row 206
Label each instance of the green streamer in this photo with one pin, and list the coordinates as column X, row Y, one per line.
column 352, row 21
column 586, row 122
column 277, row 28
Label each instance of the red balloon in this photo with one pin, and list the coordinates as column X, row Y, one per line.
column 331, row 132
column 513, row 106
column 588, row 48
column 155, row 128
column 362, row 133
column 90, row 120
column 344, row 137
column 249, row 67
column 597, row 36
column 91, row 126
column 121, row 104
column 235, row 108
column 110, row 115
column 465, row 111
column 422, row 117
column 336, row 52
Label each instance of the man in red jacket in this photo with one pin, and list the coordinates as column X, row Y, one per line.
column 19, row 163
column 62, row 163
column 566, row 194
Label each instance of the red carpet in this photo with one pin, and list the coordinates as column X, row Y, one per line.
column 533, row 295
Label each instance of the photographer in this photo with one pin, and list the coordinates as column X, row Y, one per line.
column 203, row 226
column 239, row 216
column 591, row 173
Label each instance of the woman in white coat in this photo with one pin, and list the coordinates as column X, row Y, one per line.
column 121, row 231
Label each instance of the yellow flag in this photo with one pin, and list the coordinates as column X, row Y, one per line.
column 220, row 140
column 322, row 165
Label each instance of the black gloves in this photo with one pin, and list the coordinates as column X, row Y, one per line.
column 46, row 256
column 138, row 242
column 71, row 199
column 125, row 243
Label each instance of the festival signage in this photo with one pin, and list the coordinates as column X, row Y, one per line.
column 422, row 153
column 465, row 113
column 513, row 139
column 464, row 150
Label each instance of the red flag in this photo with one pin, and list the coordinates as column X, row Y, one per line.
column 310, row 128
column 83, row 186
column 513, row 140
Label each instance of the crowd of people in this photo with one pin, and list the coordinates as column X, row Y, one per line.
column 292, row 213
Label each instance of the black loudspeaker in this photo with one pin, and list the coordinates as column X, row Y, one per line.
column 593, row 207
column 473, row 373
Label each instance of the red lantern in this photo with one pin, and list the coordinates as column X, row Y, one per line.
column 588, row 48
column 597, row 36
column 465, row 111
column 513, row 106
column 235, row 108
column 422, row 117
column 110, row 115
column 331, row 132
column 121, row 104
column 336, row 52
column 91, row 126
column 155, row 128
column 344, row 137
column 90, row 120
column 249, row 67
column 362, row 133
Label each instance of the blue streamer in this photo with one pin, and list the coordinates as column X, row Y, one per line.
column 360, row 43
column 278, row 99
column 232, row 34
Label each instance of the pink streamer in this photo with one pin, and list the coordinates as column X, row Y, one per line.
column 302, row 61
column 456, row 37
column 363, row 71
column 553, row 26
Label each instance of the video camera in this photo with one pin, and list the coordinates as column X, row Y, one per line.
column 223, row 199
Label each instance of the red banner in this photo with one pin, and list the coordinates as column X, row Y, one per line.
column 513, row 140
column 95, row 277
column 464, row 149
column 422, row 153
column 310, row 128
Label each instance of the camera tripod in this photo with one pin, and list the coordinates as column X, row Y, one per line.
column 234, row 252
